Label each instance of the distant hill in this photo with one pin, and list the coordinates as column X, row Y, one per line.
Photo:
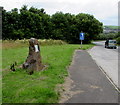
column 111, row 29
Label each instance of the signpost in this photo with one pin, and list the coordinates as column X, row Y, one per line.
column 81, row 37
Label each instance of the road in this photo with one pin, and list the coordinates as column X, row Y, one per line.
column 107, row 59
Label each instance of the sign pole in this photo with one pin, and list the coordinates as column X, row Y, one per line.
column 81, row 44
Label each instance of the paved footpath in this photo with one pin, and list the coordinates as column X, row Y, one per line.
column 90, row 80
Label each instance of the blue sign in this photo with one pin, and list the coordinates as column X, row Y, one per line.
column 81, row 36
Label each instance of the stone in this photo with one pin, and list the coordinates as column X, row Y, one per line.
column 33, row 61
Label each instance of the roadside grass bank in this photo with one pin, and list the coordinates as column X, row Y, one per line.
column 19, row 87
column 25, row 42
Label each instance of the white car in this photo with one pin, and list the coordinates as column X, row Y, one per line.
column 111, row 44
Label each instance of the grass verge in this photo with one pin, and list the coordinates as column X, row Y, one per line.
column 19, row 87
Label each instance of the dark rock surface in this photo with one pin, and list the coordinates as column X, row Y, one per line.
column 33, row 61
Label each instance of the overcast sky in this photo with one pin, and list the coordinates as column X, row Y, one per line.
column 105, row 11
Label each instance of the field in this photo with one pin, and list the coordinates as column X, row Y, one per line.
column 113, row 27
column 19, row 87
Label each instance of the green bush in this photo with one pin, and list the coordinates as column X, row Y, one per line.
column 104, row 36
column 118, row 40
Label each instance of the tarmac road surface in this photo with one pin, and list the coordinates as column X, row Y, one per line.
column 107, row 59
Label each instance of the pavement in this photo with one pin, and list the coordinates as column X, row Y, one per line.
column 88, row 78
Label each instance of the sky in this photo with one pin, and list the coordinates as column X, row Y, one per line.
column 106, row 11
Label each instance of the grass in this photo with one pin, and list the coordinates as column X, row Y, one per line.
column 0, row 72
column 19, row 87
column 23, row 43
column 112, row 27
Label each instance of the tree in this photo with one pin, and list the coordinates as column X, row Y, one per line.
column 36, row 23
column 67, row 27
column 59, row 22
column 89, row 25
column 10, row 22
